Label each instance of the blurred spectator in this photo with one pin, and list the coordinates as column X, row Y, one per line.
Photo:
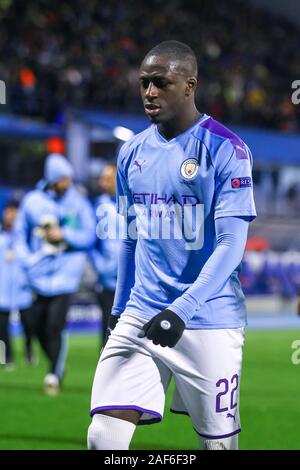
column 293, row 198
column 270, row 272
column 15, row 292
column 104, row 256
column 56, row 226
column 63, row 54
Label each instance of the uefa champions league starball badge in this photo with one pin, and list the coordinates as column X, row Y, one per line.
column 189, row 168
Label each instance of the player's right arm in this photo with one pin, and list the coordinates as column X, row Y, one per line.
column 126, row 273
column 125, row 281
column 126, row 259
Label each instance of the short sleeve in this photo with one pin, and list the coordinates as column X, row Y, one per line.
column 233, row 182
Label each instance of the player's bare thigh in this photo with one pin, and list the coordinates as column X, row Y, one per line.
column 132, row 416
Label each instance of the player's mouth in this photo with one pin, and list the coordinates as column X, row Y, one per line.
column 152, row 109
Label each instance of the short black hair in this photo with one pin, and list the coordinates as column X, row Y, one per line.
column 12, row 203
column 178, row 51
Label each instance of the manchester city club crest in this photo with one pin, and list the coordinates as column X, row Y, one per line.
column 189, row 168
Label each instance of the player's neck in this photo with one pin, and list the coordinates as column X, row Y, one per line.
column 173, row 128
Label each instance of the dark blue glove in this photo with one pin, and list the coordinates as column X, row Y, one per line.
column 112, row 321
column 165, row 329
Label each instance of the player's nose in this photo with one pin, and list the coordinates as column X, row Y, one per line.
column 151, row 91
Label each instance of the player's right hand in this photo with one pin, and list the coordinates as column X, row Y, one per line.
column 112, row 321
column 164, row 329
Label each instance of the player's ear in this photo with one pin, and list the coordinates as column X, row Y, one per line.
column 191, row 84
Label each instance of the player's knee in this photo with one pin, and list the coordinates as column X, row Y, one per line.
column 228, row 443
column 214, row 444
column 94, row 435
column 109, row 433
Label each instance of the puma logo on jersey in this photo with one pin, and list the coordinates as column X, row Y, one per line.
column 229, row 415
column 139, row 165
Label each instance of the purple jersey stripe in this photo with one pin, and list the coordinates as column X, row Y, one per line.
column 221, row 436
column 125, row 407
column 217, row 128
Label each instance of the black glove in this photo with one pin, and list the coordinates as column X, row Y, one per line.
column 112, row 321
column 165, row 329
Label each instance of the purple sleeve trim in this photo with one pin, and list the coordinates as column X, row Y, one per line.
column 219, row 437
column 125, row 407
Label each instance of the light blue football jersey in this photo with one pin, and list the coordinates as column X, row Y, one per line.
column 206, row 167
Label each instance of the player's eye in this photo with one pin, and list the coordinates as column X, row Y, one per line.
column 159, row 83
column 144, row 83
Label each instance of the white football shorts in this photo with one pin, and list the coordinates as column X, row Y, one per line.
column 133, row 373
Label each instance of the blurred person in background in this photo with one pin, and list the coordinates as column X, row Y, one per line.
column 104, row 255
column 15, row 292
column 57, row 226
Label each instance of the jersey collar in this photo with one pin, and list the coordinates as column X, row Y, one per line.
column 164, row 141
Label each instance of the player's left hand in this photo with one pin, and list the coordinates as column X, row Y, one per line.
column 164, row 329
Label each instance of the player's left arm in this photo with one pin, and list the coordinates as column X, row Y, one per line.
column 234, row 209
column 231, row 234
column 167, row 327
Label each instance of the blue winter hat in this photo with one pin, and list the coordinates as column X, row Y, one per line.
column 56, row 168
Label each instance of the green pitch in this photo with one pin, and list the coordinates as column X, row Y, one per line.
column 270, row 401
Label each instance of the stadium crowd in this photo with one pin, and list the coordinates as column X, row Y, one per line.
column 63, row 54
column 269, row 272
